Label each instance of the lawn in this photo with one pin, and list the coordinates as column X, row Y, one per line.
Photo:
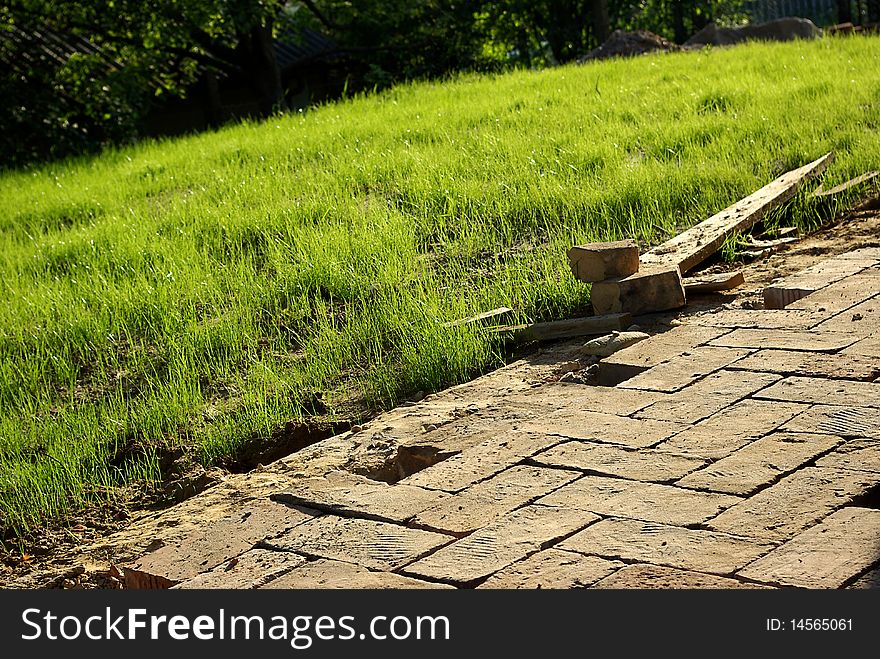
column 191, row 297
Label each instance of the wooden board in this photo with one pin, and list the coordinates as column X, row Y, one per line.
column 567, row 329
column 691, row 247
column 488, row 315
column 864, row 178
column 723, row 281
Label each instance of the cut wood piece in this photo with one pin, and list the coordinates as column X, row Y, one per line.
column 488, row 315
column 647, row 291
column 763, row 244
column 858, row 180
column 693, row 246
column 566, row 329
column 722, row 281
column 599, row 261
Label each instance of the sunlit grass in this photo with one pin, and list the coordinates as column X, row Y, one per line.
column 198, row 292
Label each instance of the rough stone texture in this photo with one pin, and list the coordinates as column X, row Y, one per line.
column 791, row 289
column 810, row 364
column 798, row 319
column 825, row 556
column 707, row 396
column 809, row 340
column 482, row 461
column 500, row 544
column 598, row 261
column 860, row 320
column 849, row 422
column 683, row 370
column 843, row 294
column 329, row 574
column 646, row 577
column 552, row 568
column 202, row 550
column 350, row 495
column 649, row 290
column 760, row 463
column 479, row 504
column 634, row 541
column 868, row 347
column 829, row 392
column 636, row 433
column 375, row 545
column 252, row 569
column 732, row 428
column 868, row 581
column 645, row 501
column 643, row 465
column 860, row 454
column 583, row 398
column 794, row 503
column 659, row 348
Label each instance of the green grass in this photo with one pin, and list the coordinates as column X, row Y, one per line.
column 195, row 294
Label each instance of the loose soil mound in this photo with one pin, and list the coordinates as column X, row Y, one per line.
column 628, row 44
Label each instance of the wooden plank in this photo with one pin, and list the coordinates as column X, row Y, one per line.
column 722, row 281
column 488, row 315
column 693, row 246
column 567, row 329
column 858, row 180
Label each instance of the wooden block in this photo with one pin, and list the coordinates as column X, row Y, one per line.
column 864, row 178
column 600, row 261
column 646, row 291
column 566, row 329
column 723, row 281
column 693, row 246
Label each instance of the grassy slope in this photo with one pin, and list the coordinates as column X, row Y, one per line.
column 197, row 292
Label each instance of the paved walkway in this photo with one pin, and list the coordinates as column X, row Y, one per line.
column 739, row 449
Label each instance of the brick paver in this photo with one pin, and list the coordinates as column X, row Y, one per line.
column 553, row 568
column 604, row 459
column 646, row 577
column 681, row 371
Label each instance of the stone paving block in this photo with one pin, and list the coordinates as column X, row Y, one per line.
column 635, row 541
column 868, row 347
column 479, row 504
column 610, row 428
column 552, row 568
column 505, row 541
column 328, row 574
column 342, row 493
column 685, row 369
column 604, row 459
column 760, row 463
column 482, row 461
column 200, row 551
column 644, row 501
column 251, row 569
column 374, row 545
column 795, row 319
column 650, row 577
column 843, row 294
column 810, row 364
column 871, row 254
column 598, row 261
column 849, row 422
column 807, row 340
column 825, row 556
column 828, row 392
column 867, row 581
column 784, row 293
column 583, row 398
column 707, row 396
column 859, row 454
column 861, row 320
column 631, row 361
column 732, row 428
column 794, row 503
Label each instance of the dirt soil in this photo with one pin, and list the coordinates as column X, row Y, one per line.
column 55, row 558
